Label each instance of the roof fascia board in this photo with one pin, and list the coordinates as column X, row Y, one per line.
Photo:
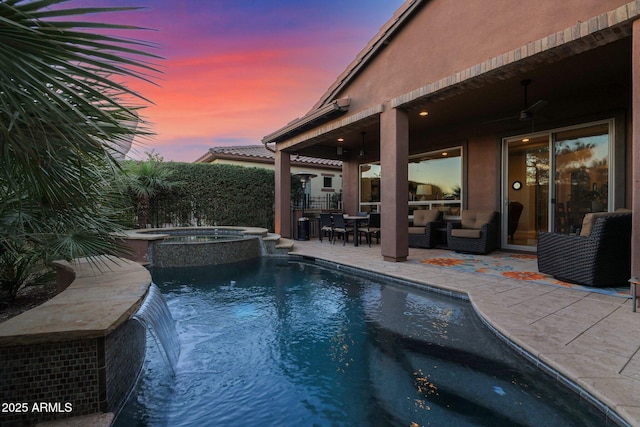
column 305, row 139
column 322, row 114
column 205, row 158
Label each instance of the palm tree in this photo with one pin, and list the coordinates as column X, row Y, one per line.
column 62, row 113
column 145, row 180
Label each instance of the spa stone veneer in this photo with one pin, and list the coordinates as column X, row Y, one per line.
column 79, row 353
column 229, row 246
column 162, row 247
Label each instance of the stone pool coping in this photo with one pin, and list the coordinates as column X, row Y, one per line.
column 163, row 233
column 81, row 311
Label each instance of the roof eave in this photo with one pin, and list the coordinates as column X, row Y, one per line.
column 377, row 43
column 315, row 118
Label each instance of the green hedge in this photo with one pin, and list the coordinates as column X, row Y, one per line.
column 209, row 194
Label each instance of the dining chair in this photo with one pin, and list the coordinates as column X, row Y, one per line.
column 340, row 227
column 326, row 226
column 372, row 228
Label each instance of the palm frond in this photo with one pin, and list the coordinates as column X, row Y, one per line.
column 63, row 112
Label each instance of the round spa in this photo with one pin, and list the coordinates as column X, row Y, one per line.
column 196, row 246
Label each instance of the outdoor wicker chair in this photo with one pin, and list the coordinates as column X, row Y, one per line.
column 423, row 232
column 599, row 256
column 477, row 232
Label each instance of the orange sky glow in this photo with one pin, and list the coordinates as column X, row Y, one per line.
column 235, row 71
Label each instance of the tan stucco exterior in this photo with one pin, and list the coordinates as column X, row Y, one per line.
column 464, row 62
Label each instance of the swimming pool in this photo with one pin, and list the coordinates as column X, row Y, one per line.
column 287, row 343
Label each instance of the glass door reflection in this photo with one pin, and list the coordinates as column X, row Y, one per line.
column 527, row 208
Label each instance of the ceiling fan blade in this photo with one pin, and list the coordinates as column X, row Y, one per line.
column 536, row 106
column 502, row 119
column 527, row 113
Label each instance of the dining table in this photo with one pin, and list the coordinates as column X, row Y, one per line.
column 356, row 220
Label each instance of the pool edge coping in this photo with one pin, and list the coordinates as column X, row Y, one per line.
column 79, row 311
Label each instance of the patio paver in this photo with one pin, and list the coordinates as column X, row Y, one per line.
column 591, row 339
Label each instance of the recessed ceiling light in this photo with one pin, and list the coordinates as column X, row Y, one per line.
column 445, row 154
column 340, row 139
column 525, row 139
column 423, row 113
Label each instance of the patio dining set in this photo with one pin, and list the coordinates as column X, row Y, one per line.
column 334, row 225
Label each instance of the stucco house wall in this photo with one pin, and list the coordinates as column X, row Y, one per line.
column 464, row 62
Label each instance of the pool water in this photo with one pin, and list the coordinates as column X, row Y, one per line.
column 271, row 342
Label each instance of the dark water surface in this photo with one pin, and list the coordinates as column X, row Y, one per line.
column 284, row 343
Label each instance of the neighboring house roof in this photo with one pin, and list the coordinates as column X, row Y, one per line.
column 259, row 154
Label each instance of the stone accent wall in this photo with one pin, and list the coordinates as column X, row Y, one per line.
column 64, row 374
column 189, row 254
column 124, row 353
column 57, row 380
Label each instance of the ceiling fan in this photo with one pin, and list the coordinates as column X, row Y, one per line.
column 362, row 152
column 528, row 112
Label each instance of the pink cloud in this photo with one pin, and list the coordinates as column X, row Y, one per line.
column 245, row 95
column 232, row 77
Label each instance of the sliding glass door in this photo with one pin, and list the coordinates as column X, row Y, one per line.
column 552, row 180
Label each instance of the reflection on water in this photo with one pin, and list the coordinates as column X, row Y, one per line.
column 272, row 342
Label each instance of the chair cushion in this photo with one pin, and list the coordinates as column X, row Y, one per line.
column 422, row 217
column 416, row 230
column 475, row 219
column 468, row 233
column 590, row 219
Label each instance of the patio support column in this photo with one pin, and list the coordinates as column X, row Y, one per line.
column 350, row 176
column 635, row 149
column 394, row 158
column 283, row 194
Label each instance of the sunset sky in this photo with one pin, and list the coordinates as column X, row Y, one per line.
column 237, row 70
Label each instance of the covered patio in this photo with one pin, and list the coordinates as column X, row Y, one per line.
column 507, row 104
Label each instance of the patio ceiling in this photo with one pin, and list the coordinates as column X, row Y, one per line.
column 481, row 104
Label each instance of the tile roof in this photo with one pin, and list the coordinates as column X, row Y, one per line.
column 260, row 153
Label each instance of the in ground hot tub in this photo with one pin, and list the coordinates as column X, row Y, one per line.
column 197, row 246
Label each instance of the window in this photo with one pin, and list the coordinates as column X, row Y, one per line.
column 435, row 182
column 327, row 182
